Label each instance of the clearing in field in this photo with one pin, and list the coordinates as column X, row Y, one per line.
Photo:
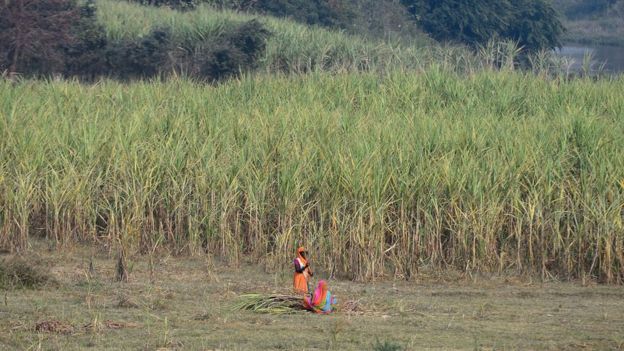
column 188, row 303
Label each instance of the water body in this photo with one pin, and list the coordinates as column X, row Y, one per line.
column 612, row 57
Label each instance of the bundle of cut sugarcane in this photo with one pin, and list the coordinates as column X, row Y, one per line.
column 272, row 304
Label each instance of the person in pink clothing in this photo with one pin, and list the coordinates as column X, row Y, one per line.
column 321, row 301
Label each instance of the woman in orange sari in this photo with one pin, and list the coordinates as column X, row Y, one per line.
column 302, row 272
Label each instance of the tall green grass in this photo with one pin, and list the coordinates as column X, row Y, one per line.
column 496, row 171
column 293, row 47
column 297, row 48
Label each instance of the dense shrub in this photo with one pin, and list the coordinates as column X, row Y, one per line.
column 327, row 13
column 41, row 38
column 174, row 4
column 531, row 23
column 85, row 57
column 250, row 39
column 212, row 59
column 534, row 25
column 386, row 346
column 80, row 48
column 239, row 50
column 144, row 58
column 330, row 13
column 18, row 273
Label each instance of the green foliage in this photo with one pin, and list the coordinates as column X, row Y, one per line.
column 211, row 59
column 238, row 50
column 501, row 170
column 386, row 19
column 330, row 13
column 140, row 59
column 88, row 53
column 532, row 23
column 474, row 22
column 174, row 4
column 372, row 18
column 86, row 56
column 291, row 47
column 386, row 346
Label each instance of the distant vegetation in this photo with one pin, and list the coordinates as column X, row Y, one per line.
column 291, row 47
column 125, row 40
column 593, row 21
column 372, row 18
column 173, row 4
column 533, row 24
column 582, row 9
column 60, row 38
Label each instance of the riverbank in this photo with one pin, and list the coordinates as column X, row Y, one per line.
column 186, row 303
column 602, row 31
column 591, row 23
column 604, row 59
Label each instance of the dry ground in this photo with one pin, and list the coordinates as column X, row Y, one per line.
column 185, row 303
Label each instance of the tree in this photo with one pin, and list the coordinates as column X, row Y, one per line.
column 33, row 34
column 85, row 57
column 535, row 25
column 532, row 23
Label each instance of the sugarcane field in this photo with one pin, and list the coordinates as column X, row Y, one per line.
column 384, row 175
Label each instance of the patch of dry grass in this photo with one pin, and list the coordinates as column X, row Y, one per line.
column 17, row 272
column 459, row 312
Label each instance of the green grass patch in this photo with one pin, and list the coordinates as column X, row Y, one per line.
column 292, row 47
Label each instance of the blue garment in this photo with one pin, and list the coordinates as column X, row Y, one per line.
column 329, row 301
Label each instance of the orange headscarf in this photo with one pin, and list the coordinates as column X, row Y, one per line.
column 301, row 250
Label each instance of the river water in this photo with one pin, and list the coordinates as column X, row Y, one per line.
column 612, row 57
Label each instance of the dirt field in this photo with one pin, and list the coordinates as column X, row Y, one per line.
column 186, row 303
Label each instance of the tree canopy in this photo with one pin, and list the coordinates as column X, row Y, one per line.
column 34, row 32
column 532, row 23
column 63, row 37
